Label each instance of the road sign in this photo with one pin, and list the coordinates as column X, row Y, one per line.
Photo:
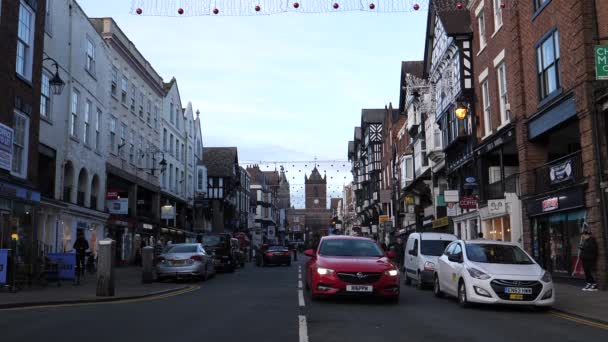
column 601, row 62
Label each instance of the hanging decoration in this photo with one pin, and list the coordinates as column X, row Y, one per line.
column 191, row 8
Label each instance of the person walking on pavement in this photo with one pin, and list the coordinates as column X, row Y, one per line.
column 399, row 252
column 80, row 246
column 589, row 256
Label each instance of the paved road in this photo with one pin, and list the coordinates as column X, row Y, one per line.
column 262, row 304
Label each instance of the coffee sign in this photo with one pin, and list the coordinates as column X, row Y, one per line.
column 468, row 202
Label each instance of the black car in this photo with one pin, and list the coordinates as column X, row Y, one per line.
column 219, row 246
column 276, row 255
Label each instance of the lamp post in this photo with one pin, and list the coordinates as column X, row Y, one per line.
column 462, row 109
column 56, row 83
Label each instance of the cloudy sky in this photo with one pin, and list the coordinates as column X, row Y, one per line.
column 286, row 87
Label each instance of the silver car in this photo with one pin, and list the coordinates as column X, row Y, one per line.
column 184, row 260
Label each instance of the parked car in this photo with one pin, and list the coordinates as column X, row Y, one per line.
column 276, row 255
column 492, row 272
column 220, row 247
column 348, row 265
column 184, row 260
column 422, row 250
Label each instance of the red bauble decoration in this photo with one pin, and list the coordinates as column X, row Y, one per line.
column 296, row 5
column 459, row 5
column 416, row 7
column 216, row 11
column 139, row 11
column 257, row 8
column 372, row 6
column 180, row 11
column 336, row 5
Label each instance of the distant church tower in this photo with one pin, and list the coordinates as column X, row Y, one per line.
column 284, row 193
column 315, row 190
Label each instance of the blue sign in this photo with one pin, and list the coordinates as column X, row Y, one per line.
column 67, row 264
column 470, row 179
column 3, row 265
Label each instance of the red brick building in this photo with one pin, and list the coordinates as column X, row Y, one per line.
column 22, row 27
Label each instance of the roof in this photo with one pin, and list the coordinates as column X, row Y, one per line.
column 220, row 161
column 345, row 237
column 486, row 241
column 167, row 86
column 357, row 133
column 315, row 175
column 372, row 115
column 455, row 22
column 414, row 68
column 272, row 177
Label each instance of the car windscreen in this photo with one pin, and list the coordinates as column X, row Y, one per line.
column 213, row 240
column 277, row 248
column 497, row 254
column 182, row 249
column 433, row 247
column 344, row 247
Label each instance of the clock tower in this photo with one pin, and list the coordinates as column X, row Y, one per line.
column 315, row 190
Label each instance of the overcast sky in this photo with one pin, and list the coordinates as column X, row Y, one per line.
column 286, row 87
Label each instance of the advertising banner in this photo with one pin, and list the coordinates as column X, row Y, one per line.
column 3, row 265
column 67, row 264
column 6, row 147
column 118, row 206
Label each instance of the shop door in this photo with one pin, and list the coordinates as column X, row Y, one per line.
column 554, row 245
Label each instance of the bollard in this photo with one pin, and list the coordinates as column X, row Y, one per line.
column 147, row 262
column 105, row 269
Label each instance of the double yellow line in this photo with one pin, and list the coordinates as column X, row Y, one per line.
column 579, row 320
column 120, row 301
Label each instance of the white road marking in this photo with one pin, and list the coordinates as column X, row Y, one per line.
column 301, row 298
column 299, row 284
column 299, row 276
column 303, row 328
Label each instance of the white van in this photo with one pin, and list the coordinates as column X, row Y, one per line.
column 422, row 252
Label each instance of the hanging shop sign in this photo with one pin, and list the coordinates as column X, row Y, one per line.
column 3, row 265
column 382, row 219
column 167, row 212
column 271, row 232
column 451, row 196
column 147, row 226
column 112, row 194
column 452, row 209
column 497, row 207
column 6, row 147
column 441, row 222
column 374, row 228
column 468, row 202
column 118, row 206
column 410, row 200
column 561, row 172
column 550, row 204
column 470, row 183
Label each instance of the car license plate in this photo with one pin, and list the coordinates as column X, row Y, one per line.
column 359, row 288
column 177, row 262
column 514, row 296
column 216, row 262
column 518, row 290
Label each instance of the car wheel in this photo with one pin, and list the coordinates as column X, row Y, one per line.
column 408, row 280
column 462, row 295
column 436, row 288
column 419, row 283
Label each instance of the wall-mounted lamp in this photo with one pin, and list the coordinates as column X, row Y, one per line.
column 461, row 111
column 56, row 83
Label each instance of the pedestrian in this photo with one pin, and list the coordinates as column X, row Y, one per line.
column 399, row 252
column 589, row 256
column 384, row 247
column 80, row 246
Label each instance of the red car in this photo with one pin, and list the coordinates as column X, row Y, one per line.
column 348, row 265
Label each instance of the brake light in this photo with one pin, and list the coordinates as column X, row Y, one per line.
column 286, row 254
column 268, row 254
column 197, row 257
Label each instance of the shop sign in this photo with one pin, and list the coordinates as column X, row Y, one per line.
column 374, row 228
column 382, row 219
column 6, row 147
column 66, row 262
column 468, row 202
column 147, row 226
column 118, row 206
column 167, row 212
column 271, row 232
column 3, row 265
column 452, row 209
column 601, row 62
column 388, row 226
column 561, row 172
column 497, row 207
column 470, row 183
column 364, row 229
column 440, row 200
column 140, row 202
column 451, row 196
column 410, row 200
column 112, row 194
column 441, row 222
column 550, row 204
column 410, row 217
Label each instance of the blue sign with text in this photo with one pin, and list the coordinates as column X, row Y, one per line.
column 3, row 265
column 67, row 264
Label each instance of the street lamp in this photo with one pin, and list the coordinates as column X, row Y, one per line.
column 56, row 83
column 461, row 111
column 162, row 164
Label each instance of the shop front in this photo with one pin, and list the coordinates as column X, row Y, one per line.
column 501, row 220
column 72, row 222
column 122, row 231
column 17, row 212
column 557, row 221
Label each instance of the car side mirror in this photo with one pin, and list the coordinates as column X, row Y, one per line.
column 310, row 253
column 455, row 258
column 391, row 255
column 413, row 252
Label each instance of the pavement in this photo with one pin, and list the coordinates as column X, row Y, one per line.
column 128, row 285
column 269, row 304
column 572, row 300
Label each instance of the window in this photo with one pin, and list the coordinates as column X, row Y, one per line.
column 538, row 4
column 87, row 123
column 25, row 41
column 502, row 92
column 90, row 61
column 155, row 116
column 45, row 96
column 20, row 144
column 177, row 117
column 407, row 169
column 171, row 144
column 140, row 151
column 171, row 112
column 124, row 85
column 485, row 94
column 497, row 14
column 163, row 180
column 97, row 130
column 481, row 22
column 548, row 65
column 183, row 154
column 141, row 104
column 114, row 88
column 132, row 147
column 47, row 19
column 199, row 183
column 74, row 116
column 170, row 177
column 123, row 139
column 149, row 112
column 176, row 148
column 133, row 96
column 112, row 134
column 190, row 155
column 165, row 140
column 181, row 180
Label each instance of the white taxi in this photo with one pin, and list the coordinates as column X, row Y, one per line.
column 492, row 272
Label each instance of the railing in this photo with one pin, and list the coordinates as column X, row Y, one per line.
column 511, row 185
column 559, row 172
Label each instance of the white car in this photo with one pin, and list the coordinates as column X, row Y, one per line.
column 492, row 272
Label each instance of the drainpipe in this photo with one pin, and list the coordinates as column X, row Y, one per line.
column 596, row 146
